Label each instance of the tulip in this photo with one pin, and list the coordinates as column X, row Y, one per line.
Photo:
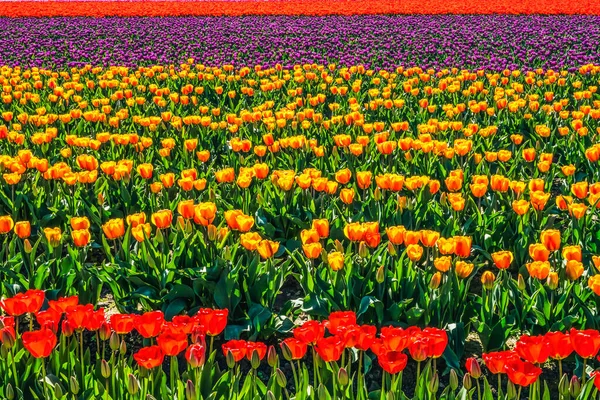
column 81, row 237
column 6, row 224
column 39, row 343
column 23, row 229
column 114, row 228
column 162, row 219
column 149, row 357
column 551, row 239
column 502, row 259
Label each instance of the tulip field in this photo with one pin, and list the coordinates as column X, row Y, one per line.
column 325, row 200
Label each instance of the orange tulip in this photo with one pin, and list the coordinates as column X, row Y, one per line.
column 395, row 234
column 574, row 269
column 520, row 206
column 343, row 176
column 114, row 228
column 204, row 213
column 167, row 180
column 463, row 246
column 414, row 252
column 312, row 250
column 355, row 231
column 186, row 209
column 551, row 239
column 446, row 246
column 347, row 196
column 53, row 236
column 363, row 179
column 250, row 240
column 146, row 170
column 336, row 260
column 162, row 219
column 309, row 236
column 23, row 229
column 572, row 253
column 141, row 231
column 580, row 189
column 267, row 248
column 443, row 264
column 594, row 284
column 429, row 238
column 78, row 223
column 463, row 269
column 529, row 154
column 136, row 219
column 6, row 224
column 538, row 269
column 577, row 210
column 81, row 237
column 539, row 199
column 322, row 227
column 502, row 259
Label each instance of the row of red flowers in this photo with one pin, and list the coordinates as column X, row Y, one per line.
column 292, row 7
column 329, row 339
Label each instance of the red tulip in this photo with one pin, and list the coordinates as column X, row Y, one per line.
column 63, row 303
column 122, row 323
column 39, row 343
column 214, row 321
column 297, row 347
column 95, row 320
column 534, row 349
column 366, row 335
column 438, row 340
column 29, row 302
column 594, row 376
column 78, row 315
column 339, row 319
column 172, row 344
column 49, row 318
column 149, row 324
column 472, row 366
column 195, row 355
column 395, row 339
column 310, row 332
column 330, row 349
column 418, row 349
column 149, row 357
column 586, row 343
column 392, row 362
column 560, row 345
column 258, row 347
column 496, row 361
column 522, row 373
column 237, row 348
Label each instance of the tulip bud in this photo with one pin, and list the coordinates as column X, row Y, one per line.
column 10, row 392
column 150, row 397
column 114, row 341
column 391, row 249
column 255, row 360
column 74, row 385
column 58, row 390
column 390, row 396
column 105, row 331
column 511, row 390
column 487, row 280
column 363, row 251
column 230, row 360
column 343, row 378
column 434, row 383
column 105, row 369
column 563, row 386
column 339, row 246
column 380, row 275
column 3, row 352
column 212, row 232
column 552, row 280
column 270, row 396
column 133, row 385
column 377, row 194
column 435, row 281
column 287, row 353
column 227, row 253
column 322, row 392
column 8, row 340
column 272, row 358
column 123, row 348
column 475, row 369
column 190, row 390
column 521, row 282
column 453, row 380
column 159, row 236
column 575, row 386
column 280, row 378
column 467, row 384
column 27, row 246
